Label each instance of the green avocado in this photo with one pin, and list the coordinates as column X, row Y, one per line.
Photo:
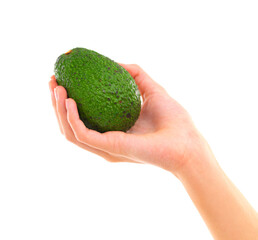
column 107, row 96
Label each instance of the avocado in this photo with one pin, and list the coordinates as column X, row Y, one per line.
column 107, row 96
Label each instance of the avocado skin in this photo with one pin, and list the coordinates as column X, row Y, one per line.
column 107, row 96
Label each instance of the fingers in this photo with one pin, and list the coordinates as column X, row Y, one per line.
column 58, row 97
column 61, row 96
column 114, row 142
column 145, row 83
column 52, row 85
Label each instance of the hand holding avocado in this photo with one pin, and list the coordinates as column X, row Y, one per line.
column 159, row 136
column 163, row 135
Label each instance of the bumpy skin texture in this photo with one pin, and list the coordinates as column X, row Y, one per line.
column 107, row 96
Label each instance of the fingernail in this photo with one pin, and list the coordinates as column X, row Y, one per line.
column 66, row 103
column 51, row 91
column 56, row 93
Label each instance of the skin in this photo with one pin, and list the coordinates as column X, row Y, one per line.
column 165, row 136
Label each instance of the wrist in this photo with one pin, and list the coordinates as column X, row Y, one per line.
column 198, row 158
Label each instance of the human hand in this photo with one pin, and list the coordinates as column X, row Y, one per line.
column 164, row 135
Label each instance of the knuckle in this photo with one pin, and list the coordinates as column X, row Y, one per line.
column 137, row 66
column 139, row 70
column 112, row 160
column 162, row 89
column 108, row 159
column 69, row 137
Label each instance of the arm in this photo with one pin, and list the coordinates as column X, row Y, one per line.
column 165, row 136
column 226, row 212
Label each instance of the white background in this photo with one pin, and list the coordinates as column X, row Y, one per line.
column 205, row 53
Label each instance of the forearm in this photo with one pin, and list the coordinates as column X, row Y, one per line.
column 226, row 212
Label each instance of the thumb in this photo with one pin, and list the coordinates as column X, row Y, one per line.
column 145, row 83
